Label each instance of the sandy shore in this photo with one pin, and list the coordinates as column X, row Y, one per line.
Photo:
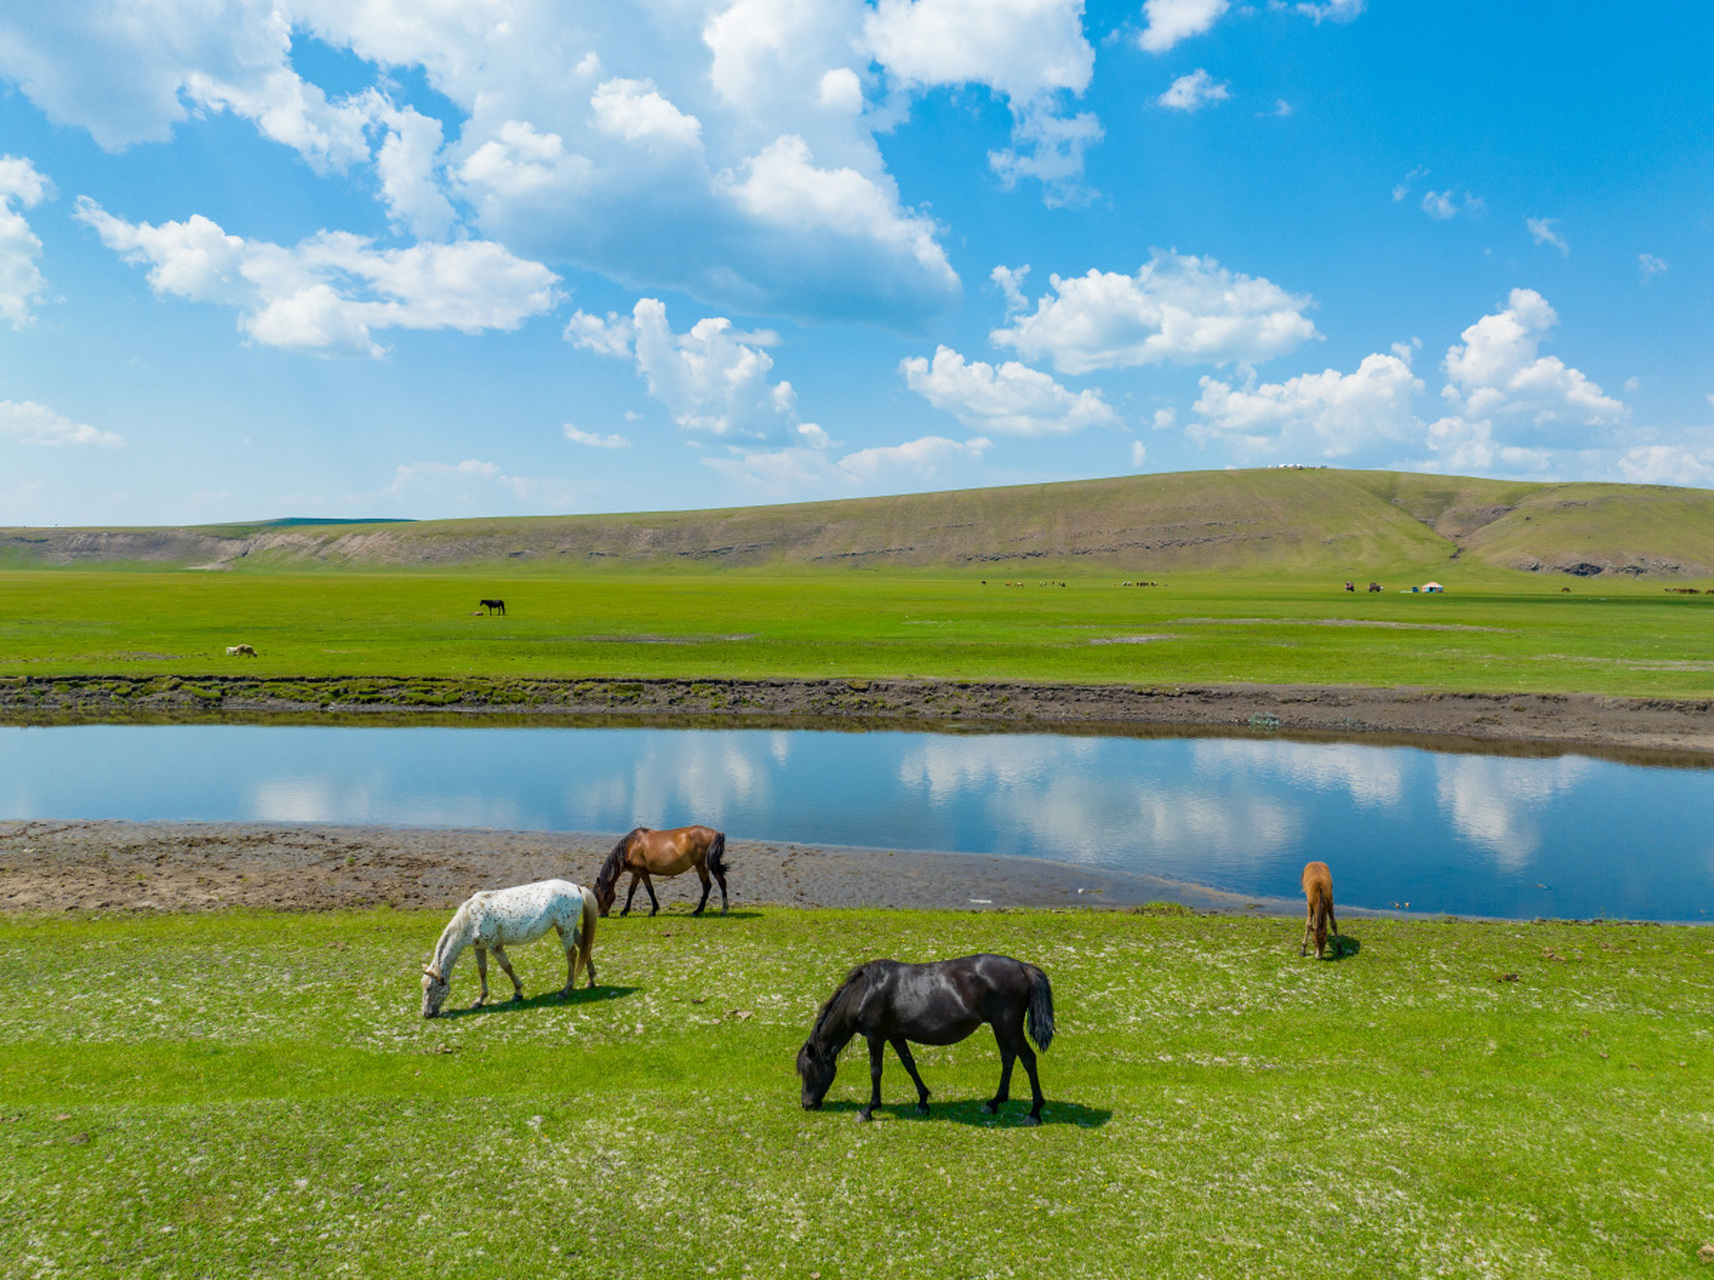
column 55, row 867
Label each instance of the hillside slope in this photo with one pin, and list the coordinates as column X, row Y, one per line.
column 1348, row 523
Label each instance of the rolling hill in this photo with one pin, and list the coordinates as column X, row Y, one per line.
column 1287, row 521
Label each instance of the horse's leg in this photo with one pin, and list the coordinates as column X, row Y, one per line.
column 482, row 973
column 565, row 940
column 636, row 877
column 877, row 1046
column 500, row 955
column 721, row 876
column 1009, row 1045
column 1029, row 1056
column 702, row 874
column 1334, row 921
column 1308, row 930
column 654, row 902
column 904, row 1052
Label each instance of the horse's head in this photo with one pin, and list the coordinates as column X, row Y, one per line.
column 816, row 1069
column 435, row 988
column 607, row 879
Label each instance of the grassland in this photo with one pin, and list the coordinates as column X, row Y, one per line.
column 1492, row 631
column 254, row 1094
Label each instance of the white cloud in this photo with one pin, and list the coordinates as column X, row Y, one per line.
column 1180, row 308
column 1471, row 448
column 710, row 380
column 595, row 440
column 1496, row 371
column 634, row 111
column 330, row 291
column 1668, row 464
column 1649, row 266
column 1281, row 109
column 1009, row 400
column 1327, row 414
column 1139, row 454
column 26, row 422
column 407, row 165
column 1442, row 205
column 1011, row 283
column 1542, row 232
column 1194, row 91
column 1170, row 21
column 783, row 473
column 21, row 281
column 1402, row 190
column 1332, row 10
column 1031, row 51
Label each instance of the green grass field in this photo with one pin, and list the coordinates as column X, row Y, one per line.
column 1493, row 630
column 243, row 1094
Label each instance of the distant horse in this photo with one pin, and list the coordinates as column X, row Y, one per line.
column 240, row 651
column 496, row 918
column 493, row 606
column 645, row 853
column 890, row 1003
column 1374, row 586
column 1350, row 586
column 1318, row 891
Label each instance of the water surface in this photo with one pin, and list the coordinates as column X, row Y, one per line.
column 1565, row 836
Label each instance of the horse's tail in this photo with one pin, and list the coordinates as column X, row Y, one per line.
column 717, row 856
column 1041, row 1007
column 586, row 926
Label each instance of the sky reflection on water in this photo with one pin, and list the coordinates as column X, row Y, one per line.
column 1559, row 836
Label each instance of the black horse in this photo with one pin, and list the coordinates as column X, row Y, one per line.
column 887, row 1002
column 493, row 606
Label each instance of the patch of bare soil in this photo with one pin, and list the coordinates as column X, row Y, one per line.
column 144, row 867
column 1646, row 730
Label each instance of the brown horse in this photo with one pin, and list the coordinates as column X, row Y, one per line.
column 1318, row 890
column 645, row 853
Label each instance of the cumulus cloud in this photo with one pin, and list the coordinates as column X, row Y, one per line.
column 1496, row 371
column 26, row 422
column 1009, row 400
column 21, row 281
column 634, row 111
column 1668, row 464
column 1328, row 414
column 1194, row 91
column 1542, row 232
column 594, row 439
column 711, row 380
column 329, row 292
column 1177, row 308
column 1032, row 52
column 794, row 472
column 1169, row 21
column 1331, row 10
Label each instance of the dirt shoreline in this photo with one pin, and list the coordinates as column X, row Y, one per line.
column 1641, row 730
column 87, row 867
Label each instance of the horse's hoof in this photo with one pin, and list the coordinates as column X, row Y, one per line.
column 1032, row 1121
column 922, row 1108
column 990, row 1108
column 863, row 1117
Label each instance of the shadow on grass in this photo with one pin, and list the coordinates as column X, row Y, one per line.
column 685, row 916
column 547, row 1000
column 970, row 1113
column 1341, row 948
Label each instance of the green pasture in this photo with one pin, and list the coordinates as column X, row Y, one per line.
column 1492, row 630
column 249, row 1094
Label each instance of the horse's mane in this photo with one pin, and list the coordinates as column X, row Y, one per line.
column 615, row 861
column 847, row 994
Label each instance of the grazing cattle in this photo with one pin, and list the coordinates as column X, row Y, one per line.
column 495, row 918
column 890, row 1003
column 493, row 606
column 240, row 650
column 1318, row 892
column 645, row 853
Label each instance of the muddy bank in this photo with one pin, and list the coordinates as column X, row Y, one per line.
column 57, row 867
column 1644, row 730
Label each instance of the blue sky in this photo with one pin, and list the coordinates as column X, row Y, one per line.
column 487, row 257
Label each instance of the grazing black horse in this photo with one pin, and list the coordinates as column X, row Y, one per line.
column 890, row 1003
column 493, row 606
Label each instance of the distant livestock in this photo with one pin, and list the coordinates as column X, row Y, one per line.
column 493, row 606
column 240, row 650
column 1374, row 586
column 1350, row 586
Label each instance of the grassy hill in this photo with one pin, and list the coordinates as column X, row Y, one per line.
column 1347, row 523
